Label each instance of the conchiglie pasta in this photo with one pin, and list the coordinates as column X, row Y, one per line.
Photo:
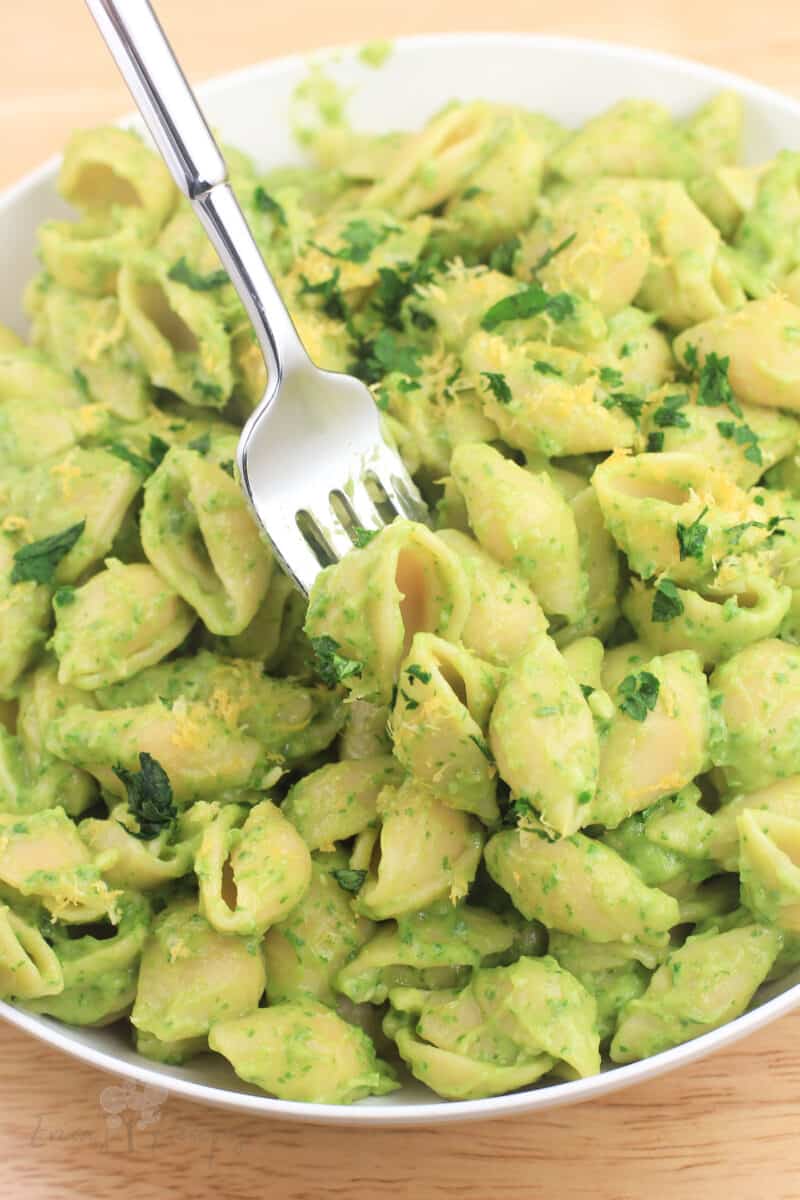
column 439, row 724
column 762, row 343
column 301, row 1050
column 304, row 952
column 523, row 521
column 745, row 444
column 716, row 621
column 607, row 257
column 43, row 856
column 708, row 981
column 28, row 966
column 549, row 401
column 769, row 867
column 199, row 751
column 425, row 851
column 252, row 869
column 543, row 738
column 177, row 331
column 208, row 547
column 504, row 613
column 191, row 976
column 781, row 799
column 339, row 800
column 124, row 619
column 643, row 758
column 579, row 886
column 757, row 697
column 371, row 604
column 646, row 498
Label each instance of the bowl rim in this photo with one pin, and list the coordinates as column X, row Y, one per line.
column 432, row 1112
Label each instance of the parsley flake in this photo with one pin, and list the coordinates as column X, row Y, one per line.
column 81, row 381
column 201, row 444
column 546, row 368
column 181, row 272
column 668, row 414
column 742, row 435
column 550, row 254
column 611, row 377
column 631, row 405
column 415, row 671
column 655, row 442
column 498, row 386
column 502, row 257
column 64, row 596
column 333, row 668
column 149, row 797
column 362, row 537
column 692, row 538
column 37, row 562
column 481, row 744
column 666, row 602
column 349, row 879
column 333, row 303
column 714, row 388
column 530, row 302
column 637, row 695
column 267, row 204
column 360, row 239
column 387, row 354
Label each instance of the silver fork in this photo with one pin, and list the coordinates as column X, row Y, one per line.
column 312, row 459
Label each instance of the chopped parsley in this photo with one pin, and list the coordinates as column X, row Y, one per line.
column 349, row 879
column 333, row 668
column 472, row 192
column 181, row 272
column 209, row 391
column 637, row 695
column 157, row 448
column 137, row 461
column 518, row 810
column 692, row 538
column 201, row 444
column 227, row 467
column 396, row 283
column 690, row 357
column 742, row 435
column 498, row 386
column 333, row 302
column 362, row 537
column 411, row 703
column 587, row 690
column 668, row 414
column 360, row 239
column 530, row 302
column 81, row 382
column 655, row 442
column 714, row 387
column 631, row 405
column 415, row 671
column 666, row 602
column 64, row 597
column 502, row 257
column 546, row 368
column 387, row 354
column 550, row 254
column 37, row 562
column 611, row 377
column 267, row 204
column 149, row 797
column 481, row 744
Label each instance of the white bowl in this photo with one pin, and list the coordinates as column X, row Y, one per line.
column 571, row 80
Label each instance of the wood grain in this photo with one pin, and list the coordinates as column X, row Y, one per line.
column 725, row 1129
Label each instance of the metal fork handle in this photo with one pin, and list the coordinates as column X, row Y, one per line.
column 148, row 65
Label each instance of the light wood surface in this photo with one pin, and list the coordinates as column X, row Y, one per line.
column 725, row 1129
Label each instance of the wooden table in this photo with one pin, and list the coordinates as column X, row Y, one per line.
column 725, row 1129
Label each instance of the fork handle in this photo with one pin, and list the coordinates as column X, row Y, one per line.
column 148, row 65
